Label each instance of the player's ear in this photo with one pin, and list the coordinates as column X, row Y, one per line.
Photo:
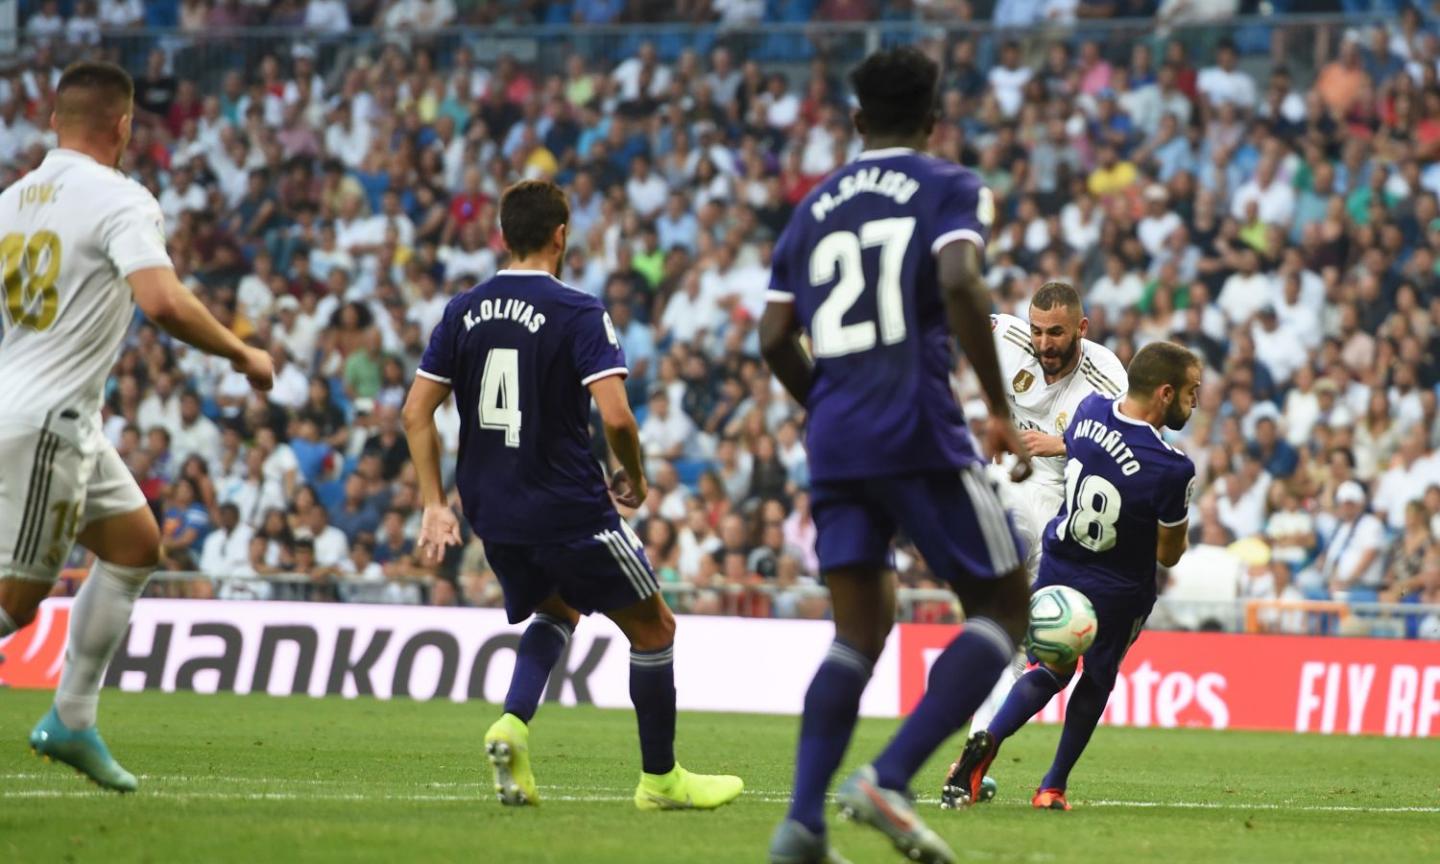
column 54, row 122
column 1084, row 327
column 562, row 234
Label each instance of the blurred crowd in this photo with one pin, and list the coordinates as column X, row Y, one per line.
column 1283, row 223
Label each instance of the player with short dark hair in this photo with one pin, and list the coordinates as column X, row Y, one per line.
column 524, row 354
column 879, row 265
column 1127, row 502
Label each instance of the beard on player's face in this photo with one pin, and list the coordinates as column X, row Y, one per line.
column 1178, row 413
column 1056, row 358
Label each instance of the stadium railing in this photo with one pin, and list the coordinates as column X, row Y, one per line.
column 1297, row 38
column 914, row 605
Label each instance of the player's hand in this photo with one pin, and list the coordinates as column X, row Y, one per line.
column 628, row 492
column 1041, row 444
column 1001, row 436
column 438, row 529
column 256, row 366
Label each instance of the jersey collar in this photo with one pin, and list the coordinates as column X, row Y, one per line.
column 67, row 153
column 508, row 272
column 1125, row 418
column 886, row 153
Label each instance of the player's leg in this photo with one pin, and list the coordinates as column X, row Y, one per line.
column 1028, row 526
column 863, row 604
column 610, row 573
column 125, row 538
column 1116, row 633
column 528, row 590
column 78, row 482
column 544, row 640
column 853, row 545
column 649, row 625
column 959, row 525
column 27, row 454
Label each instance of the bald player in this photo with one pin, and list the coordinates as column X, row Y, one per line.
column 80, row 246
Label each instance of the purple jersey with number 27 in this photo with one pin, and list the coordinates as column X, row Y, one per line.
column 858, row 261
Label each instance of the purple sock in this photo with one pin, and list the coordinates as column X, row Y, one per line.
column 831, row 706
column 1030, row 694
column 963, row 675
column 652, row 691
column 1082, row 715
column 541, row 645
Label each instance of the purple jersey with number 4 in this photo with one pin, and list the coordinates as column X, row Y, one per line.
column 858, row 261
column 1122, row 481
column 520, row 352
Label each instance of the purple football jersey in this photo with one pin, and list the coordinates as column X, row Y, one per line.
column 520, row 352
column 1122, row 481
column 858, row 261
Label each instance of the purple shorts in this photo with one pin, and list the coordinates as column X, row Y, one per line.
column 955, row 519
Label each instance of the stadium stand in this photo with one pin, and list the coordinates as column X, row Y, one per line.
column 1263, row 190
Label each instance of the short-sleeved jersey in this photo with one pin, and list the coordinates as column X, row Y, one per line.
column 858, row 261
column 520, row 352
column 1122, row 482
column 71, row 231
column 1045, row 407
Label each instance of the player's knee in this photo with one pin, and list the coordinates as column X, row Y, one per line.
column 1062, row 673
column 17, row 617
column 869, row 641
column 657, row 631
column 1010, row 605
column 130, row 578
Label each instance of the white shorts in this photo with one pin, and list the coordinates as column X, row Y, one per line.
column 1031, row 506
column 57, row 475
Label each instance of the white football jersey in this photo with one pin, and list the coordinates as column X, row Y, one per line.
column 71, row 231
column 1048, row 407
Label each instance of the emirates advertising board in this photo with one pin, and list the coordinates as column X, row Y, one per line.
column 1207, row 680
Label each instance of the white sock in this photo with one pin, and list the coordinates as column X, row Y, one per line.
column 7, row 624
column 97, row 623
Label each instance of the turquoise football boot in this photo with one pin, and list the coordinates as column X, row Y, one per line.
column 85, row 751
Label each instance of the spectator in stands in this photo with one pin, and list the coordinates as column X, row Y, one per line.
column 226, row 549
column 357, row 515
column 185, row 526
column 1352, row 559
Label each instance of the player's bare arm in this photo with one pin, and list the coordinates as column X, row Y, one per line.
column 1171, row 542
column 967, row 304
column 165, row 300
column 780, row 343
column 439, row 527
column 1041, row 444
column 622, row 433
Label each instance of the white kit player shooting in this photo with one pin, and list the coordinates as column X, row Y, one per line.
column 80, row 246
column 1049, row 368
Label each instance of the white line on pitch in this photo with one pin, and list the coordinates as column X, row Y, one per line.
column 769, row 797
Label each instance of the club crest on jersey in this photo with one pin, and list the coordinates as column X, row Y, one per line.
column 1022, row 381
column 1061, row 421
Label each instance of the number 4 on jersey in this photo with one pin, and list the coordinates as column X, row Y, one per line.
column 500, row 394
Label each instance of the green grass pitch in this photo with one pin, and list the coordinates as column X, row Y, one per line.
column 261, row 779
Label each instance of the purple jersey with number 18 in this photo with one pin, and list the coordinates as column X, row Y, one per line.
column 858, row 261
column 1122, row 481
column 521, row 351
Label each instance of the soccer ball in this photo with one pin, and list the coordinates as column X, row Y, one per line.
column 1062, row 625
